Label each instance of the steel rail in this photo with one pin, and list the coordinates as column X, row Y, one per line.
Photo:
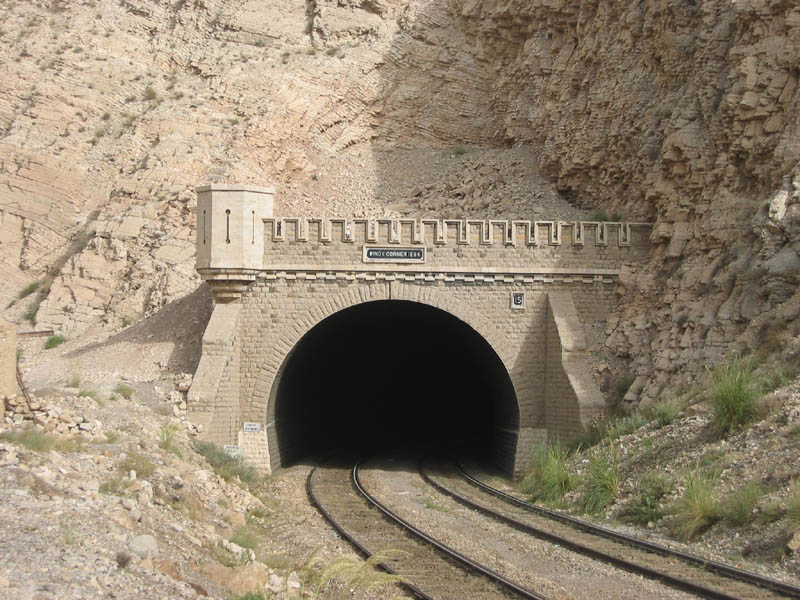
column 354, row 542
column 444, row 548
column 718, row 568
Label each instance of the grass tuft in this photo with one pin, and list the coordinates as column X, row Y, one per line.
column 29, row 289
column 734, row 393
column 696, row 510
column 602, row 481
column 349, row 573
column 167, row 440
column 662, row 413
column 245, row 538
column 625, row 425
column 53, row 341
column 39, row 441
column 793, row 503
column 647, row 506
column 136, row 462
column 738, row 507
column 549, row 478
column 124, row 390
column 32, row 311
column 225, row 465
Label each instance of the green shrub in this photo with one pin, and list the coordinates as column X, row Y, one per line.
column 697, row 509
column 124, row 390
column 590, row 437
column 777, row 377
column 663, row 413
column 738, row 507
column 136, row 462
column 113, row 485
column 38, row 441
column 602, row 482
column 167, row 439
column 549, row 478
column 75, row 379
column 225, row 465
column 646, row 507
column 245, row 538
column 150, row 94
column 625, row 425
column 733, row 394
column 29, row 289
column 53, row 341
column 32, row 311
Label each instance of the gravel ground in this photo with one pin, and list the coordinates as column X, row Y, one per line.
column 539, row 566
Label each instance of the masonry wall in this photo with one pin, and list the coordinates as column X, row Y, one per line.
column 466, row 246
column 278, row 310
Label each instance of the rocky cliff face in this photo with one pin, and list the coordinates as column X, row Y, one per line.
column 679, row 111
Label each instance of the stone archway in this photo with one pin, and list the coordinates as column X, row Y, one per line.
column 270, row 373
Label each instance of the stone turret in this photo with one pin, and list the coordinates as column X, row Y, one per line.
column 230, row 236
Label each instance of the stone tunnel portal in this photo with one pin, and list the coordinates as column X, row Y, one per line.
column 389, row 374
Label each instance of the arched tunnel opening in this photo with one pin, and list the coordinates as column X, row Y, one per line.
column 389, row 375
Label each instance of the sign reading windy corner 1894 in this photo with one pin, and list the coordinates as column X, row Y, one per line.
column 394, row 255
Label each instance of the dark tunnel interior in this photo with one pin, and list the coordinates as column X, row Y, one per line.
column 392, row 374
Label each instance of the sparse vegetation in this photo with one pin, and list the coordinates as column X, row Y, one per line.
column 90, row 392
column 349, row 573
column 793, row 503
column 549, row 478
column 150, row 94
column 124, row 390
column 136, row 462
column 662, row 413
column 246, row 538
column 40, row 441
column 431, row 505
column 75, row 379
column 29, row 289
column 647, row 506
column 225, row 465
column 113, row 485
column 734, row 393
column 53, row 341
column 738, row 507
column 167, row 439
column 32, row 311
column 625, row 425
column 697, row 509
column 459, row 151
column 602, row 481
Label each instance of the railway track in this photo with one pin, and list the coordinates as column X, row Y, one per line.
column 429, row 569
column 706, row 579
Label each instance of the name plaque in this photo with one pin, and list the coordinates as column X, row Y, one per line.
column 250, row 427
column 394, row 255
column 232, row 450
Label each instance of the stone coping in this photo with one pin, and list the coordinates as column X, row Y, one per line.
column 223, row 187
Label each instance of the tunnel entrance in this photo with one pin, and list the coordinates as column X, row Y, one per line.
column 393, row 374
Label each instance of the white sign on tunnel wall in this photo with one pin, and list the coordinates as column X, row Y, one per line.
column 250, row 427
column 393, row 255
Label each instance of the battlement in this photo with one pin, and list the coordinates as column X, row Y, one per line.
column 452, row 231
column 238, row 238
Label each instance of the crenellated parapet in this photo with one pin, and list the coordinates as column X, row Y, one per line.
column 447, row 231
column 240, row 240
